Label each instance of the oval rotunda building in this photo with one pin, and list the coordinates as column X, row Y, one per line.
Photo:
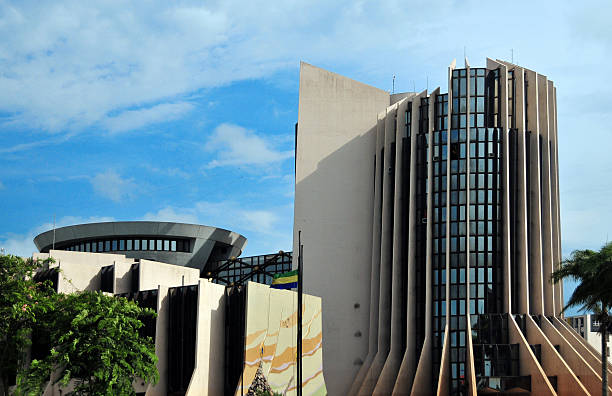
column 189, row 245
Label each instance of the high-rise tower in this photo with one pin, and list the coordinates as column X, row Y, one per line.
column 431, row 226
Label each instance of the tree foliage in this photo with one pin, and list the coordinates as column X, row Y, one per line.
column 93, row 341
column 22, row 302
column 96, row 342
column 593, row 271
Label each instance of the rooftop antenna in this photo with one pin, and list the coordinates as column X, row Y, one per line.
column 512, row 55
column 413, row 86
column 427, row 83
column 393, row 89
column 53, row 248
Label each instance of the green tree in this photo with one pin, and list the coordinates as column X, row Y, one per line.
column 22, row 302
column 95, row 344
column 93, row 339
column 593, row 271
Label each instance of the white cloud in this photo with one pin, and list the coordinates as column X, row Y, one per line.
column 73, row 64
column 265, row 229
column 237, row 146
column 135, row 119
column 19, row 245
column 23, row 244
column 232, row 215
column 224, row 214
column 171, row 172
column 171, row 214
column 112, row 186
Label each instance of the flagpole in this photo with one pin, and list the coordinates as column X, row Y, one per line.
column 299, row 313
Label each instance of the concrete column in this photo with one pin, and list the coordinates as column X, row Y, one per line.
column 522, row 257
column 536, row 283
column 546, row 205
column 558, row 199
column 422, row 379
column 375, row 268
column 161, row 342
column 444, row 378
column 386, row 243
column 528, row 363
column 554, row 171
column 388, row 376
column 469, row 364
column 406, row 373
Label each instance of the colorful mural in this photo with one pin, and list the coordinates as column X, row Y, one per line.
column 271, row 341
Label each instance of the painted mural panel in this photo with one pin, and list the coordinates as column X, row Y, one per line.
column 271, row 341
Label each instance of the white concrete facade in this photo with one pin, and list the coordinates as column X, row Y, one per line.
column 337, row 120
column 199, row 333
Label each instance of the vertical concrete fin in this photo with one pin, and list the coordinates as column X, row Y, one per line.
column 444, row 377
column 536, row 279
column 528, row 363
column 388, row 376
column 386, row 254
column 552, row 362
column 375, row 262
column 522, row 257
column 546, row 204
column 405, row 376
column 470, row 369
column 554, row 173
column 422, row 385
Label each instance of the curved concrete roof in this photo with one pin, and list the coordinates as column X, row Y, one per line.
column 207, row 242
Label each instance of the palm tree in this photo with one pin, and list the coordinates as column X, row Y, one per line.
column 593, row 271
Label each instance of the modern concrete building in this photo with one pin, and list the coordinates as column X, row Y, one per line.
column 587, row 326
column 209, row 339
column 189, row 245
column 430, row 224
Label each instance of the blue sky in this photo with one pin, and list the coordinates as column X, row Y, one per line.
column 185, row 111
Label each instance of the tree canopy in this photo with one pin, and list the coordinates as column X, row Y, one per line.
column 22, row 302
column 593, row 271
column 93, row 343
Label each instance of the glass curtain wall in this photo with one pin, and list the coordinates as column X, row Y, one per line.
column 458, row 190
column 438, row 254
column 467, row 207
